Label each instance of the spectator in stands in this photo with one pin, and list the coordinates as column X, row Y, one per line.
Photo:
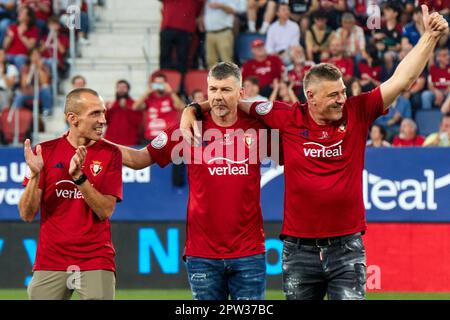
column 377, row 135
column 400, row 109
column 218, row 19
column 9, row 76
column 336, row 57
column 263, row 66
column 301, row 8
column 257, row 7
column 177, row 31
column 26, row 92
column 251, row 90
column 42, row 10
column 305, row 24
column 298, row 70
column 389, row 65
column 21, row 38
column 197, row 96
column 408, row 136
column 7, row 12
column 78, row 81
column 282, row 34
column 441, row 138
column 318, row 37
column 413, row 30
column 162, row 107
column 46, row 47
column 123, row 122
column 391, row 30
column 370, row 69
column 63, row 5
column 438, row 81
column 334, row 10
column 351, row 37
column 283, row 91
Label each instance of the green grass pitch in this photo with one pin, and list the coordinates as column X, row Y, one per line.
column 153, row 294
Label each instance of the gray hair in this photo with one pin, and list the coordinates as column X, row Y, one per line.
column 223, row 70
column 411, row 122
column 320, row 72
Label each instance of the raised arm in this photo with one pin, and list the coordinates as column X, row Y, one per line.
column 415, row 61
column 31, row 198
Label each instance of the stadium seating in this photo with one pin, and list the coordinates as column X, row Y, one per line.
column 173, row 77
column 25, row 122
column 428, row 121
column 196, row 79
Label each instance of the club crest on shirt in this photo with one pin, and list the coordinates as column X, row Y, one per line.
column 248, row 139
column 160, row 141
column 96, row 167
column 264, row 108
column 324, row 135
column 342, row 128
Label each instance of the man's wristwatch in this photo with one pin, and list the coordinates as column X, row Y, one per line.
column 80, row 180
column 198, row 110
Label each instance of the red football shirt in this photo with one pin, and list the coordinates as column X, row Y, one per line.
column 41, row 15
column 344, row 64
column 160, row 115
column 71, row 233
column 224, row 218
column 374, row 72
column 440, row 77
column 17, row 46
column 48, row 51
column 416, row 142
column 266, row 71
column 123, row 124
column 297, row 74
column 181, row 14
column 323, row 165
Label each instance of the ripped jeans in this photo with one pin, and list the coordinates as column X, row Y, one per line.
column 338, row 270
column 217, row 279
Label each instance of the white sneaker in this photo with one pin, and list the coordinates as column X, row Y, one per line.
column 84, row 41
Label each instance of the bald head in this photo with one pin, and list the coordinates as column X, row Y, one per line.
column 74, row 99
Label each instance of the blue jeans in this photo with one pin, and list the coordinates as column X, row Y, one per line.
column 216, row 279
column 45, row 99
column 339, row 270
column 18, row 60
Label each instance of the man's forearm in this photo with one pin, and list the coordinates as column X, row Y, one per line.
column 132, row 158
column 102, row 205
column 415, row 61
column 30, row 200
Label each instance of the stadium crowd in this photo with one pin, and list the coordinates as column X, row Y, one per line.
column 28, row 31
column 274, row 41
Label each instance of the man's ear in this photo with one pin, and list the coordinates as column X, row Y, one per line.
column 72, row 119
column 241, row 93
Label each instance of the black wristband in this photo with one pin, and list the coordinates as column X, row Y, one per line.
column 80, row 180
column 198, row 110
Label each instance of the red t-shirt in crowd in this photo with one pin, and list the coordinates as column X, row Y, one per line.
column 266, row 71
column 171, row 17
column 160, row 115
column 374, row 72
column 224, row 218
column 298, row 73
column 48, row 52
column 440, row 77
column 71, row 233
column 416, row 142
column 323, row 165
column 123, row 123
column 344, row 64
column 17, row 46
column 41, row 15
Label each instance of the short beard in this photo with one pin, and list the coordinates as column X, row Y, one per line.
column 122, row 96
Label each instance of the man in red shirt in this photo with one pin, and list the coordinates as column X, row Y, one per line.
column 177, row 31
column 263, row 66
column 336, row 57
column 438, row 81
column 408, row 136
column 75, row 181
column 162, row 106
column 323, row 149
column 224, row 248
column 123, row 121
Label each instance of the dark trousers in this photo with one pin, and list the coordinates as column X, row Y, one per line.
column 179, row 40
column 338, row 270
